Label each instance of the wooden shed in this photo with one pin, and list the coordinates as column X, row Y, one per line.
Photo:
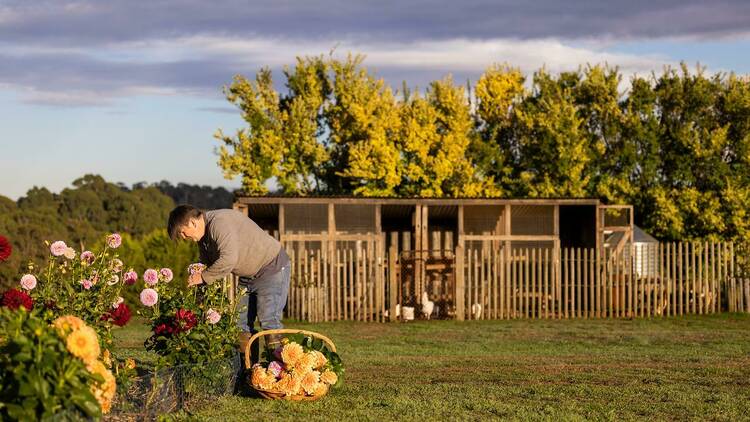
column 364, row 258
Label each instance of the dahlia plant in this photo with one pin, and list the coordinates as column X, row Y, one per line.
column 189, row 324
column 86, row 284
column 51, row 371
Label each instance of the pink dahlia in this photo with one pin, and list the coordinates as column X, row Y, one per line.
column 149, row 297
column 130, row 277
column 166, row 274
column 28, row 282
column 87, row 257
column 58, row 248
column 114, row 240
column 150, row 276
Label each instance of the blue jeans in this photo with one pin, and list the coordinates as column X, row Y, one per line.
column 265, row 299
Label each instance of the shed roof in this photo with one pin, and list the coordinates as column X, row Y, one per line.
column 640, row 236
column 343, row 199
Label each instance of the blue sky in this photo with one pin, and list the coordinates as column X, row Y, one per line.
column 132, row 90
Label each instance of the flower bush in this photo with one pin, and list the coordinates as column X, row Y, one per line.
column 47, row 370
column 189, row 325
column 302, row 365
column 85, row 284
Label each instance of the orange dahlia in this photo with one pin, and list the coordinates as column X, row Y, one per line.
column 310, row 381
column 305, row 364
column 329, row 377
column 104, row 392
column 291, row 354
column 320, row 359
column 321, row 389
column 67, row 323
column 262, row 379
column 83, row 344
column 294, row 386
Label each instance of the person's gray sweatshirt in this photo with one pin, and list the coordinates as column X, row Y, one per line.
column 233, row 243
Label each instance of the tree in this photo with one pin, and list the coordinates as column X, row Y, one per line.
column 436, row 133
column 495, row 150
column 554, row 150
column 364, row 123
column 256, row 151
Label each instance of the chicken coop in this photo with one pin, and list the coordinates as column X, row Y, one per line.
column 367, row 259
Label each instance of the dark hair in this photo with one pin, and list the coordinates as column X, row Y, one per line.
column 179, row 217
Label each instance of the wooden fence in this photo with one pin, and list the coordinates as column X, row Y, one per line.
column 665, row 279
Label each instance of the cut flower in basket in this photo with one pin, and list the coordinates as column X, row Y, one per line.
column 303, row 367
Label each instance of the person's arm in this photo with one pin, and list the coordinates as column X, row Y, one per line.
column 228, row 246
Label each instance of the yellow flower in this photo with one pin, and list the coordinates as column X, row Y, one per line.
column 305, row 364
column 291, row 354
column 321, row 389
column 104, row 392
column 320, row 359
column 263, row 379
column 107, row 358
column 68, row 323
column 329, row 377
column 294, row 386
column 289, row 384
column 83, row 344
column 129, row 363
column 282, row 384
column 310, row 381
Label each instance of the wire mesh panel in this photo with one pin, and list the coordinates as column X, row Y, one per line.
column 532, row 220
column 355, row 218
column 617, row 217
column 182, row 387
column 484, row 219
column 305, row 218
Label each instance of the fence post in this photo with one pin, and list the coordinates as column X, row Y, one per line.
column 392, row 283
column 460, row 291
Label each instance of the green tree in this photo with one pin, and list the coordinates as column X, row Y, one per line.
column 555, row 152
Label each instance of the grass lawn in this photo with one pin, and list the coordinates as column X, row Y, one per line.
column 695, row 367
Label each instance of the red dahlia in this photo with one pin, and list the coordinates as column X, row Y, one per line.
column 184, row 320
column 163, row 330
column 5, row 249
column 15, row 298
column 120, row 316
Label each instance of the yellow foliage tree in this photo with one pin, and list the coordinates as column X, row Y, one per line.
column 436, row 133
column 364, row 120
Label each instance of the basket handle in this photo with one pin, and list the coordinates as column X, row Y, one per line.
column 263, row 333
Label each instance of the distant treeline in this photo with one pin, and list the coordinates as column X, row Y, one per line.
column 82, row 215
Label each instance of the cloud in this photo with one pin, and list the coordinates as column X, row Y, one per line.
column 96, row 22
column 90, row 53
column 201, row 65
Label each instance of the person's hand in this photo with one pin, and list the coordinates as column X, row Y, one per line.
column 195, row 279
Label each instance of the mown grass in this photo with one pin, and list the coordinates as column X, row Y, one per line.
column 689, row 368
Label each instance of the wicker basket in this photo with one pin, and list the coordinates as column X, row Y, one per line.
column 278, row 395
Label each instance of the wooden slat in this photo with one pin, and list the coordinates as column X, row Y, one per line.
column 486, row 284
column 460, row 286
column 612, row 283
column 513, row 267
column 714, row 281
column 587, row 296
column 545, row 282
column 566, row 282
column 524, row 290
column 579, row 282
column 538, row 280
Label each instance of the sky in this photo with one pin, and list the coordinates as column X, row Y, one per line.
column 132, row 90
